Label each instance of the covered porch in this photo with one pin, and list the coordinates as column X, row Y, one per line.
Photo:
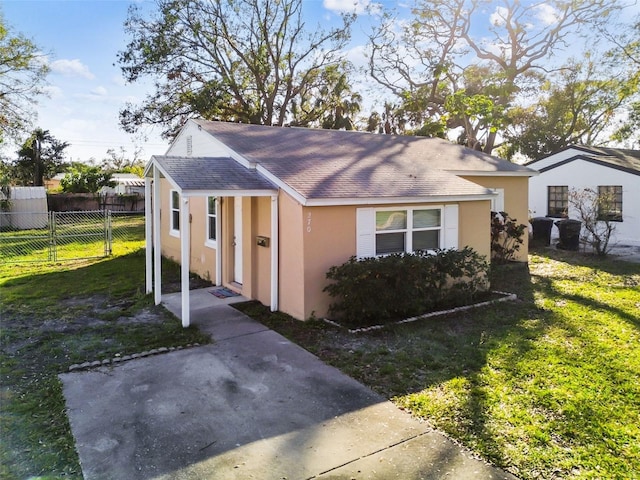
column 212, row 215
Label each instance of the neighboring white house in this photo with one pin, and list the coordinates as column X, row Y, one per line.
column 613, row 170
column 125, row 184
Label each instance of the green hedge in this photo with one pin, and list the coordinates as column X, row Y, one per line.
column 382, row 289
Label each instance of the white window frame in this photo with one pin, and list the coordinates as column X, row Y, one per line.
column 409, row 229
column 497, row 202
column 366, row 226
column 211, row 242
column 175, row 232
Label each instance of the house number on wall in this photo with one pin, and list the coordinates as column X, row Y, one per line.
column 309, row 222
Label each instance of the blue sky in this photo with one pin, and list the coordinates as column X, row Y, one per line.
column 86, row 90
column 82, row 38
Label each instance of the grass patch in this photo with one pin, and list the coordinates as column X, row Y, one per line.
column 545, row 387
column 55, row 315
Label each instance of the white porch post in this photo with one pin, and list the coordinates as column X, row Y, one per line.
column 157, row 249
column 218, row 242
column 185, row 242
column 148, row 231
column 274, row 253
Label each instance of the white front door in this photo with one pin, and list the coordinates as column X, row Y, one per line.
column 237, row 240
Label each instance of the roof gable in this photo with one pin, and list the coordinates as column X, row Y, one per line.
column 626, row 160
column 218, row 174
column 338, row 164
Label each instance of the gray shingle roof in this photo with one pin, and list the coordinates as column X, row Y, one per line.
column 211, row 173
column 338, row 164
column 620, row 158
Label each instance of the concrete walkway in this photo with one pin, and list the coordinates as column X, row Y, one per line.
column 252, row 405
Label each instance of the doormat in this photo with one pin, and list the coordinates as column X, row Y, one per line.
column 223, row 292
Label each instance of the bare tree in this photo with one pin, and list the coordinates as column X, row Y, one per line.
column 246, row 60
column 426, row 60
column 598, row 213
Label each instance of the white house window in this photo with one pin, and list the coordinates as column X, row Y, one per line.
column 407, row 230
column 610, row 203
column 497, row 202
column 175, row 212
column 380, row 231
column 212, row 221
column 557, row 200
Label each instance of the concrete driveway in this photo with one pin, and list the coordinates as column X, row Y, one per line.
column 251, row 405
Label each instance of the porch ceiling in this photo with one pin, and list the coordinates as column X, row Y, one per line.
column 212, row 176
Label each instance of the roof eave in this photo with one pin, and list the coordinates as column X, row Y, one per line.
column 484, row 173
column 591, row 159
column 332, row 202
column 228, row 193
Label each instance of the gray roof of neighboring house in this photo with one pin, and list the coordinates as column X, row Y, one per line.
column 211, row 173
column 619, row 158
column 338, row 164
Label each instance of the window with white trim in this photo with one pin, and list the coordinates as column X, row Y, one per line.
column 407, row 230
column 381, row 231
column 497, row 202
column 212, row 220
column 175, row 212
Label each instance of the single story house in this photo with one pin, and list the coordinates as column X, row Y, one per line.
column 615, row 171
column 266, row 211
column 125, row 184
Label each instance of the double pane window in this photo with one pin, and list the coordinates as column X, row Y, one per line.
column 408, row 230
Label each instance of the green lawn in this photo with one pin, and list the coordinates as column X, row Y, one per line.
column 52, row 316
column 545, row 387
column 75, row 238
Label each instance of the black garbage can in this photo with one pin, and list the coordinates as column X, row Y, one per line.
column 542, row 227
column 569, row 234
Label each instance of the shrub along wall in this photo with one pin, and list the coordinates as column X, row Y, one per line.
column 389, row 288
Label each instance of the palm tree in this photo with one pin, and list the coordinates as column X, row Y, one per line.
column 40, row 154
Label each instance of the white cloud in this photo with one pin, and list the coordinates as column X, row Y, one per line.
column 497, row 18
column 547, row 14
column 72, row 68
column 352, row 6
column 99, row 91
column 53, row 92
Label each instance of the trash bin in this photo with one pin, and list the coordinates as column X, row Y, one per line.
column 569, row 234
column 542, row 227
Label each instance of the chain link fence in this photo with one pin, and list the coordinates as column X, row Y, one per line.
column 58, row 236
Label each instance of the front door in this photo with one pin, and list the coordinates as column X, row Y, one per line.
column 237, row 240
